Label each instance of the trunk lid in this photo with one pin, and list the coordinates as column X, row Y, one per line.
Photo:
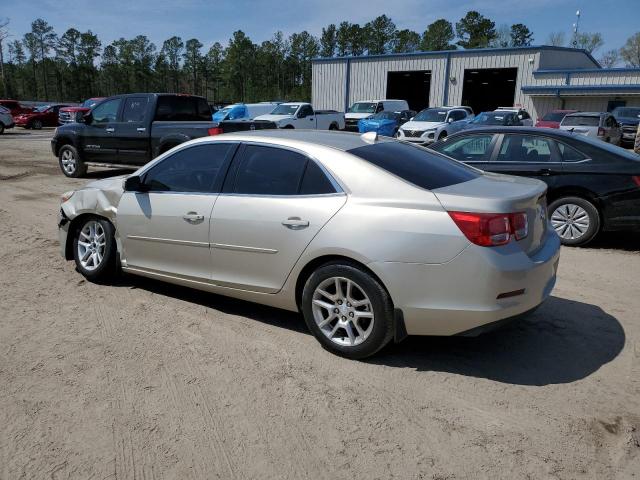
column 495, row 193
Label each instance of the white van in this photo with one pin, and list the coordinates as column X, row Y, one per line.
column 366, row 108
column 244, row 111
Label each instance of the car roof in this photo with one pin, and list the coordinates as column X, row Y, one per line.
column 339, row 140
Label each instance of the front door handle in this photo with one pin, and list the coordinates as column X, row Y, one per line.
column 110, row 130
column 193, row 218
column 544, row 171
column 141, row 129
column 295, row 223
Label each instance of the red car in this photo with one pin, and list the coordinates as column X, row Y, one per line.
column 553, row 118
column 45, row 116
column 75, row 114
column 15, row 107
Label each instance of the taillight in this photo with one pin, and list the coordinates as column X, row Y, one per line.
column 491, row 229
column 636, row 179
column 600, row 132
column 215, row 131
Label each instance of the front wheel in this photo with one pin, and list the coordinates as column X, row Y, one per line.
column 347, row 310
column 70, row 163
column 94, row 249
column 442, row 136
column 575, row 219
column 37, row 125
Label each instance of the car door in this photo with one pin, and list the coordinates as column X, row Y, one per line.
column 457, row 119
column 473, row 148
column 526, row 155
column 99, row 143
column 275, row 201
column 305, row 118
column 131, row 130
column 166, row 229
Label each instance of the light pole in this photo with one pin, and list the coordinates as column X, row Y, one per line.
column 576, row 26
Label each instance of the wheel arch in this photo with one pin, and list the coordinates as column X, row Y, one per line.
column 62, row 142
column 574, row 191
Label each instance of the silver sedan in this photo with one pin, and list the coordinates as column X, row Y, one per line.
column 370, row 238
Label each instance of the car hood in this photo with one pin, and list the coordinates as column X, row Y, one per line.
column 75, row 109
column 356, row 116
column 413, row 125
column 273, row 118
column 100, row 197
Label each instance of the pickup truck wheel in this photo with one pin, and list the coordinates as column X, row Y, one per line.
column 37, row 125
column 70, row 162
column 333, row 126
column 288, row 126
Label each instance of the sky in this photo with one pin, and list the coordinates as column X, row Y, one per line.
column 215, row 20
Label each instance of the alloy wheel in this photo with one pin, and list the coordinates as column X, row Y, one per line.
column 343, row 311
column 69, row 163
column 570, row 221
column 91, row 245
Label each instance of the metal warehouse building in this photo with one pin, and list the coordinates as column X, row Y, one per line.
column 539, row 78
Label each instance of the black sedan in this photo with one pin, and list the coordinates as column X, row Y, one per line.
column 592, row 186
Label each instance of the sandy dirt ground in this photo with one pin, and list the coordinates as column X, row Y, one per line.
column 141, row 380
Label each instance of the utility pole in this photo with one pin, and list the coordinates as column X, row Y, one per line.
column 4, row 33
column 576, row 27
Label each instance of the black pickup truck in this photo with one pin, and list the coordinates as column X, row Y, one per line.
column 130, row 130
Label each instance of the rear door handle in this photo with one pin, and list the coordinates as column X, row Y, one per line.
column 110, row 130
column 141, row 129
column 193, row 218
column 295, row 223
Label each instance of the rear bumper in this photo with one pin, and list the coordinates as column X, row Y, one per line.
column 461, row 295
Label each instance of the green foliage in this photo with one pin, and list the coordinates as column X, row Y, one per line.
column 588, row 41
column 475, row 31
column 406, row 41
column 630, row 52
column 438, row 36
column 521, row 36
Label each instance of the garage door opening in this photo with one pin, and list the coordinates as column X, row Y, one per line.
column 486, row 89
column 410, row 86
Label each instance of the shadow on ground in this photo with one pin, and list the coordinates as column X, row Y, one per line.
column 623, row 240
column 563, row 341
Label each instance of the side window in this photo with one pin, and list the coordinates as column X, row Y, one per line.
column 269, row 171
column 525, row 148
column 194, row 169
column 181, row 108
column 134, row 109
column 315, row 181
column 524, row 115
column 474, row 148
column 457, row 115
column 106, row 112
column 380, row 108
column 305, row 111
column 569, row 154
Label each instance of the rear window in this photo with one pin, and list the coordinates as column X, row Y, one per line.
column 182, row 109
column 416, row 165
column 581, row 121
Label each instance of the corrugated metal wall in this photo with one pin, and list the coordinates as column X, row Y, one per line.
column 328, row 85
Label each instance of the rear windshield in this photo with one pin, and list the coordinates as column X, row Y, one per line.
column 416, row 165
column 581, row 120
column 554, row 116
column 182, row 109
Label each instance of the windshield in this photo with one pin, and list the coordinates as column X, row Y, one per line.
column 283, row 109
column 363, row 107
column 431, row 115
column 627, row 112
column 90, row 103
column 43, row 108
column 385, row 116
column 493, row 118
column 581, row 120
column 554, row 116
column 222, row 114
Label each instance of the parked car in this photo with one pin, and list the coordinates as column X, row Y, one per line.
column 230, row 126
column 433, row 124
column 600, row 125
column 6, row 120
column 76, row 113
column 592, row 186
column 553, row 118
column 385, row 123
column 302, row 115
column 130, row 130
column 243, row 111
column 366, row 108
column 464, row 107
column 44, row 116
column 365, row 246
column 628, row 118
column 15, row 107
column 523, row 115
column 502, row 118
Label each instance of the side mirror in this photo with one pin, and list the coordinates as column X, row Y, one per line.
column 134, row 184
column 450, row 120
column 87, row 118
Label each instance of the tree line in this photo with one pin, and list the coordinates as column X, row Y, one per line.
column 43, row 65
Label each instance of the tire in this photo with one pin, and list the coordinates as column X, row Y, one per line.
column 339, row 333
column 95, row 259
column 37, row 125
column 442, row 136
column 576, row 220
column 1, row 128
column 333, row 126
column 70, row 163
column 288, row 127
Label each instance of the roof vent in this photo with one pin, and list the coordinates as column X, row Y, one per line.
column 369, row 137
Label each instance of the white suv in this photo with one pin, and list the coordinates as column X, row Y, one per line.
column 366, row 108
column 6, row 120
column 433, row 124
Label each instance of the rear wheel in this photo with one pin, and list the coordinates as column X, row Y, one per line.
column 347, row 310
column 37, row 125
column 70, row 163
column 94, row 249
column 575, row 219
column 333, row 126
